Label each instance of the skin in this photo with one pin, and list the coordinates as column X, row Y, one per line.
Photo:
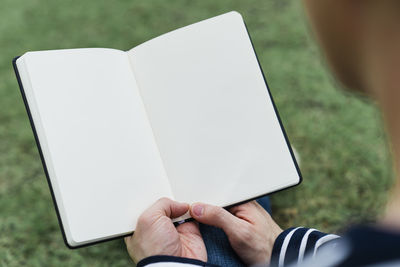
column 360, row 40
column 156, row 234
column 250, row 229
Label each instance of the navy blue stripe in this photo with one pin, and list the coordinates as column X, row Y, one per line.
column 312, row 240
column 276, row 250
column 292, row 251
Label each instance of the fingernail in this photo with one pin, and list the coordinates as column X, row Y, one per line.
column 197, row 210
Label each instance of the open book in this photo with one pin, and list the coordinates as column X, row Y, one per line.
column 186, row 115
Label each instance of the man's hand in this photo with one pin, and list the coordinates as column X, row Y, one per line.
column 250, row 229
column 155, row 234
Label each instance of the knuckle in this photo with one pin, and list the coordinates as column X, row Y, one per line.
column 163, row 202
column 143, row 219
column 163, row 199
column 218, row 212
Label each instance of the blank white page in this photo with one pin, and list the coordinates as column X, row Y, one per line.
column 103, row 163
column 211, row 113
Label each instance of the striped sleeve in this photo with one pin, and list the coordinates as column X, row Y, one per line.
column 171, row 261
column 293, row 243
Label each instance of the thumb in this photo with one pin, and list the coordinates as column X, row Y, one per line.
column 166, row 207
column 215, row 216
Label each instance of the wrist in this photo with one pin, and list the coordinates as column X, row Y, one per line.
column 275, row 232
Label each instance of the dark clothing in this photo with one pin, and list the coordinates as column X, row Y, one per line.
column 361, row 246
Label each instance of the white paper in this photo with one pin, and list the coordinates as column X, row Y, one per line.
column 104, row 166
column 211, row 114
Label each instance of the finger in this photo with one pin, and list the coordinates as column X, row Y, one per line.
column 248, row 212
column 128, row 241
column 215, row 216
column 246, row 206
column 168, row 207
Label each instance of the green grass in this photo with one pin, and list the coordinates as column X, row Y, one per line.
column 344, row 157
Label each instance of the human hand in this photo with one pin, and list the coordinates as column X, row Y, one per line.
column 155, row 234
column 250, row 229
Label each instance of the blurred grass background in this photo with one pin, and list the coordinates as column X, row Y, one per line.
column 344, row 158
